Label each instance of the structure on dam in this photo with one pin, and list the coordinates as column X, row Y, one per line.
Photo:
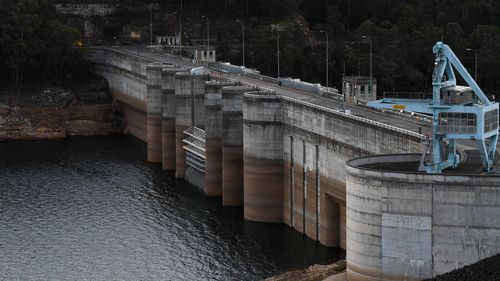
column 283, row 158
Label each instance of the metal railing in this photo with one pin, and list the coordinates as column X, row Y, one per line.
column 195, row 148
column 354, row 117
column 407, row 95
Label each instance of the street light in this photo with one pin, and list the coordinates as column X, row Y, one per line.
column 475, row 63
column 208, row 34
column 180, row 32
column 278, row 47
column 150, row 24
column 322, row 31
column 371, row 65
column 243, row 35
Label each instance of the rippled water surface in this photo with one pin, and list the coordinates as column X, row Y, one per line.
column 94, row 209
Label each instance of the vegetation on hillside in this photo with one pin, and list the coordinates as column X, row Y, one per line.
column 36, row 48
column 402, row 33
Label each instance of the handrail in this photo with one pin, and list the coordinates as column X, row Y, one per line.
column 361, row 119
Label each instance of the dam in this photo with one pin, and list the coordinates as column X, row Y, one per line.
column 281, row 153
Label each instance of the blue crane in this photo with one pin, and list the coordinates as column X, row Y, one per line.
column 459, row 112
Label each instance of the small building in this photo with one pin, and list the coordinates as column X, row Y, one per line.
column 204, row 54
column 359, row 89
column 169, row 40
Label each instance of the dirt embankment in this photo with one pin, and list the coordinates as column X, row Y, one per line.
column 484, row 270
column 58, row 113
column 315, row 272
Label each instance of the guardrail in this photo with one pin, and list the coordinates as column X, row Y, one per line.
column 407, row 95
column 354, row 117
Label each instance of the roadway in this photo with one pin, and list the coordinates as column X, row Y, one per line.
column 402, row 122
column 358, row 110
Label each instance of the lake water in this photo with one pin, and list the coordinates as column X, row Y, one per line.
column 94, row 209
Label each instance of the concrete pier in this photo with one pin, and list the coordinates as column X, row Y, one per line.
column 232, row 145
column 154, row 112
column 183, row 119
column 168, row 117
column 263, row 158
column 213, row 137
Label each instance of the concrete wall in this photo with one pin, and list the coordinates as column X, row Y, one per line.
column 316, row 144
column 413, row 226
column 263, row 158
column 127, row 77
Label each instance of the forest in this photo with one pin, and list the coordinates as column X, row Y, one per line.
column 36, row 48
column 402, row 34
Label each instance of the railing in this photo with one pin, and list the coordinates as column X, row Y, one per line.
column 408, row 95
column 195, row 148
column 354, row 117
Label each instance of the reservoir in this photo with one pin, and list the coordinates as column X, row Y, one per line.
column 94, row 209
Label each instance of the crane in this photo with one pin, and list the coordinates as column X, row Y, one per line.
column 459, row 112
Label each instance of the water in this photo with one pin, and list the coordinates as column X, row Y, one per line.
column 94, row 209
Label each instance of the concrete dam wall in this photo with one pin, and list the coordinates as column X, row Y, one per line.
column 284, row 160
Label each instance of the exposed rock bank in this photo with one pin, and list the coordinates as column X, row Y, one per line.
column 315, row 272
column 59, row 113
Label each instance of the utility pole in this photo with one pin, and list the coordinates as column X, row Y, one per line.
column 322, row 31
column 243, row 35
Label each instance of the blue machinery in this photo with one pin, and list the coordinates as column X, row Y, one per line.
column 458, row 113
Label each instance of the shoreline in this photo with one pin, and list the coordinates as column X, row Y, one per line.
column 316, row 272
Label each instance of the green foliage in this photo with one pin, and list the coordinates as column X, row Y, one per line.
column 402, row 33
column 36, row 48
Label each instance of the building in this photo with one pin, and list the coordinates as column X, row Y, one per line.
column 359, row 89
column 204, row 54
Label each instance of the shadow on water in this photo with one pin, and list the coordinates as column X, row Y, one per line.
column 94, row 209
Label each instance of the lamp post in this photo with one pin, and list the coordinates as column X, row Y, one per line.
column 475, row 62
column 371, row 65
column 208, row 34
column 150, row 25
column 180, row 31
column 322, row 31
column 243, row 35
column 278, row 47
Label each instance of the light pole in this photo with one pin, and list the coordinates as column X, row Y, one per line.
column 322, row 31
column 371, row 65
column 475, row 62
column 180, row 31
column 150, row 25
column 208, row 34
column 243, row 35
column 278, row 47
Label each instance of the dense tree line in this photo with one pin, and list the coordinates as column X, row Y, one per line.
column 36, row 48
column 402, row 33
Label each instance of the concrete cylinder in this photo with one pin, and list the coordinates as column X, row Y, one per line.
column 154, row 112
column 263, row 158
column 402, row 224
column 232, row 145
column 168, row 118
column 213, row 137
